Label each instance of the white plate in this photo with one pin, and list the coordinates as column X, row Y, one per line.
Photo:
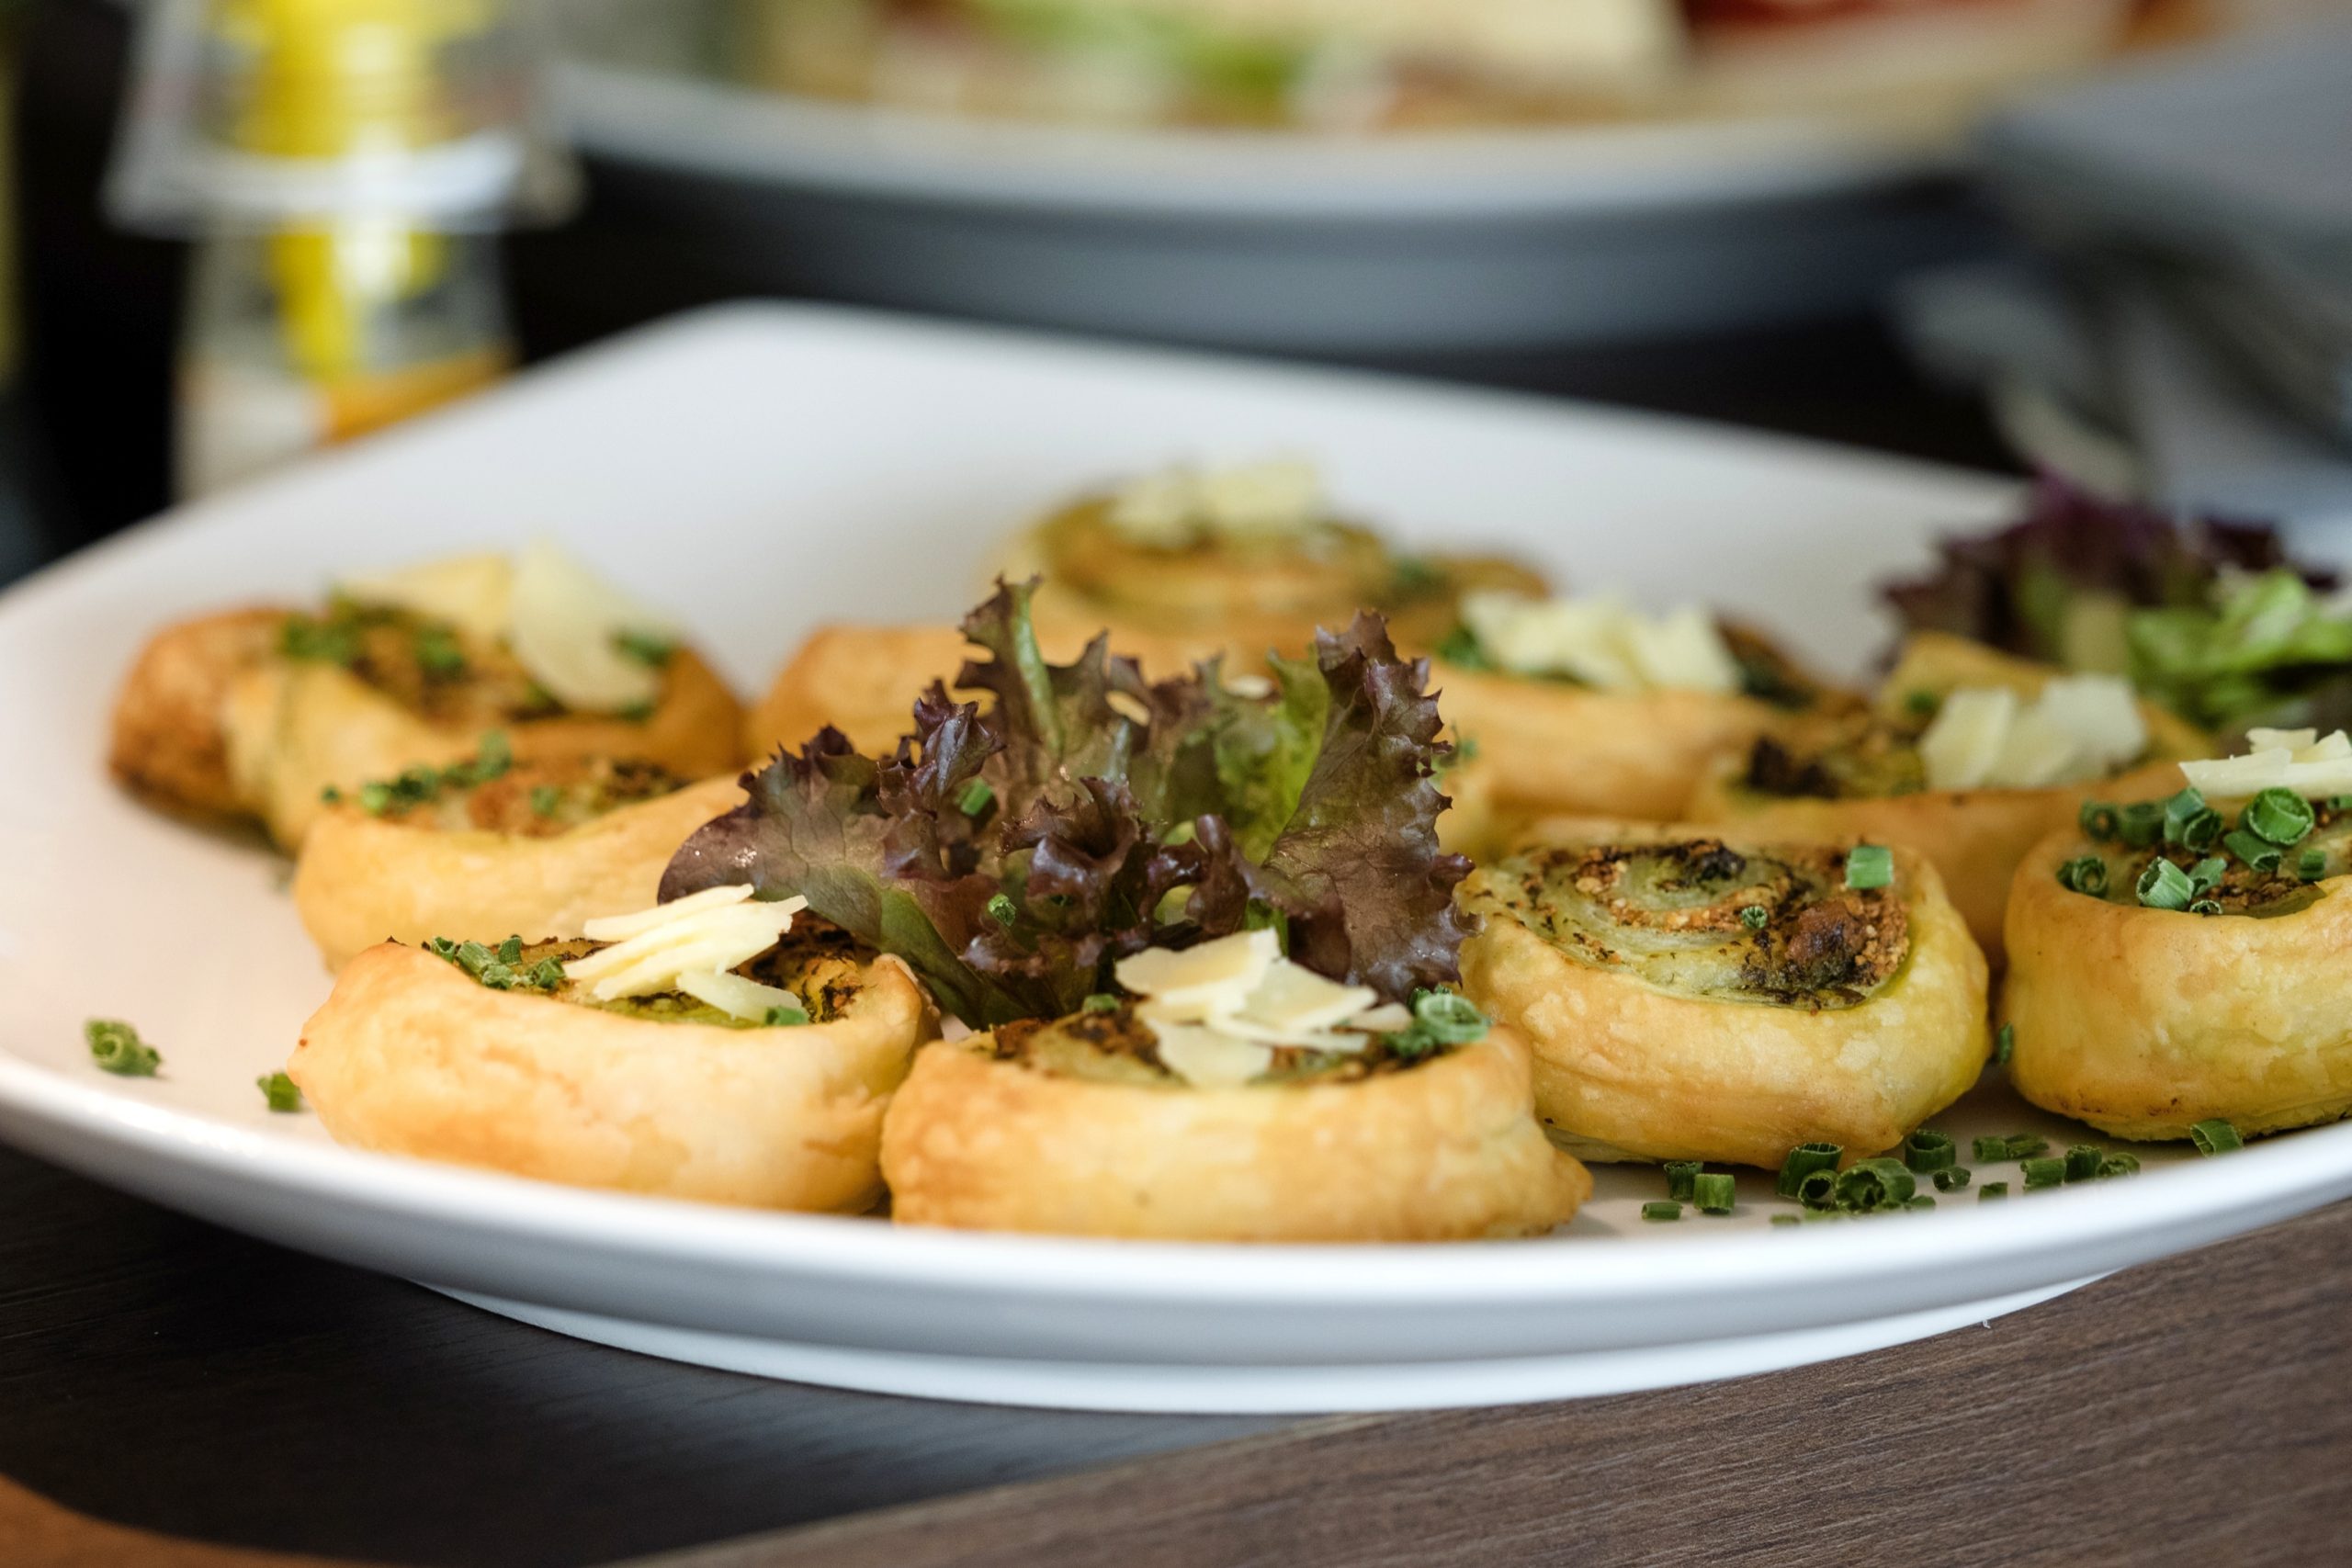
column 1465, row 241
column 763, row 468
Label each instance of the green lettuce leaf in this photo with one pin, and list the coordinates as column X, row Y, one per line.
column 1118, row 815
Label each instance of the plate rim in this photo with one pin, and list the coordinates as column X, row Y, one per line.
column 2266, row 1181
column 1279, row 179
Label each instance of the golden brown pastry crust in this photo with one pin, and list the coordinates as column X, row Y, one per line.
column 409, row 1056
column 1975, row 837
column 167, row 742
column 2146, row 1021
column 1625, row 1068
column 212, row 720
column 1441, row 1151
column 861, row 680
column 293, row 729
column 1553, row 747
column 361, row 880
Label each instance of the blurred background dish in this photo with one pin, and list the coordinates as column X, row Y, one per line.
column 1392, row 178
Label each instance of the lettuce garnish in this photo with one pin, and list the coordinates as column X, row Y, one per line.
column 1117, row 815
column 2210, row 618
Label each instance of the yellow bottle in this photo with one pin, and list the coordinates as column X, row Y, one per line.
column 336, row 322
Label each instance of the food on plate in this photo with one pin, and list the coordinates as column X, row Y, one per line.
column 258, row 713
column 1692, row 995
column 492, row 845
column 1187, row 563
column 1591, row 707
column 1231, row 1095
column 2179, row 960
column 716, row 1048
column 1011, row 848
column 1324, row 64
column 1968, row 757
column 1918, row 62
column 1360, row 65
column 1054, row 861
column 1176, row 567
column 2213, row 620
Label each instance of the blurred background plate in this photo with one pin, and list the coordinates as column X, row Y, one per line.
column 1402, row 243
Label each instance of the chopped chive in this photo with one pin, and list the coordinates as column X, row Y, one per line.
column 1872, row 1185
column 279, row 1092
column 1953, row 1180
column 1818, row 1188
column 1920, row 1200
column 2252, row 850
column 1449, row 1017
column 2082, row 1161
column 1994, row 1147
column 2141, row 824
column 784, row 1016
column 2118, row 1163
column 1869, row 866
column 546, row 800
column 2204, row 906
column 2312, row 864
column 1662, row 1209
column 115, row 1047
column 2206, row 873
column 2215, row 1137
column 1100, row 1001
column 1802, row 1162
column 1713, row 1192
column 1755, row 917
column 650, row 648
column 2085, row 874
column 1788, row 1219
column 2026, row 1145
column 2098, row 819
column 1681, row 1178
column 975, row 797
column 2004, row 1045
column 2178, row 810
column 2041, row 1173
column 511, row 951
column 331, row 795
column 1462, row 648
column 1002, row 911
column 2339, row 803
column 2164, row 886
column 1928, row 1151
column 1991, row 1190
column 2280, row 816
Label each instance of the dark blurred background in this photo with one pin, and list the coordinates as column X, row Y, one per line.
column 88, row 445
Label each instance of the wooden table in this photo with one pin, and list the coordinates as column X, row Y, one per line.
column 174, row 1394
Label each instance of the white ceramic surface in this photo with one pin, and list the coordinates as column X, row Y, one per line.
column 761, row 468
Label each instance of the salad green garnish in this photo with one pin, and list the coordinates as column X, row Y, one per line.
column 280, row 1091
column 1312, row 810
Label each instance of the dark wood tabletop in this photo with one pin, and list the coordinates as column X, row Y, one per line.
column 171, row 1393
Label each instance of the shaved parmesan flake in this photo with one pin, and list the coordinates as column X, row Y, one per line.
column 716, row 935
column 1224, row 971
column 1206, row 1059
column 567, row 621
column 620, row 928
column 2078, row 728
column 738, row 996
column 1272, row 499
column 1295, row 997
column 1239, row 989
column 2299, row 760
column 1604, row 643
column 474, row 594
